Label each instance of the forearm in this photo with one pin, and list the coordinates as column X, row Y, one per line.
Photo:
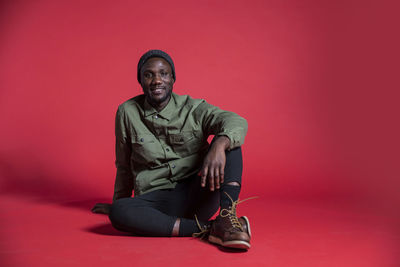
column 221, row 142
column 123, row 184
column 124, row 178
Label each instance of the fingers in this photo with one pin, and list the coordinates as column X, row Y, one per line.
column 217, row 178
column 95, row 208
column 214, row 175
column 103, row 208
column 213, row 169
column 204, row 173
column 211, row 179
column 221, row 174
column 214, row 178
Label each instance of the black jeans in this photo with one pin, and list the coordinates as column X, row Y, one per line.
column 154, row 213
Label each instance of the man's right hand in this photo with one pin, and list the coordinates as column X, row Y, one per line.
column 103, row 208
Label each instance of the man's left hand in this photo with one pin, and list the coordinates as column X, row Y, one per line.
column 103, row 208
column 214, row 163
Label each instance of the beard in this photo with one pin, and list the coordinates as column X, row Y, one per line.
column 154, row 101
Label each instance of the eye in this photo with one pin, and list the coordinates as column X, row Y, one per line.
column 147, row 75
column 164, row 74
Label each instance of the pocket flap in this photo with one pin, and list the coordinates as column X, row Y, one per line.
column 181, row 138
column 143, row 138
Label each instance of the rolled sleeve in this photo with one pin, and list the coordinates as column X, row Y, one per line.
column 220, row 122
column 236, row 136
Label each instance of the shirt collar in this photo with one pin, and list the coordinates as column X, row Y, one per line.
column 165, row 113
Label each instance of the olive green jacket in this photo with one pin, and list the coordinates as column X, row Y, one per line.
column 156, row 149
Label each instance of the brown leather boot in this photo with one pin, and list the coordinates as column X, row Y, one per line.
column 244, row 221
column 205, row 229
column 230, row 231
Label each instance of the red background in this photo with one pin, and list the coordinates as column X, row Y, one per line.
column 315, row 80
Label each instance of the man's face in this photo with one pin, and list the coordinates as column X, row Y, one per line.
column 157, row 81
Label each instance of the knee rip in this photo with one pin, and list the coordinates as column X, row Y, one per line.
column 234, row 183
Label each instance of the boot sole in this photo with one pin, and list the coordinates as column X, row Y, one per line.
column 229, row 244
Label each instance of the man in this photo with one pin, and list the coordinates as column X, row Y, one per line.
column 162, row 153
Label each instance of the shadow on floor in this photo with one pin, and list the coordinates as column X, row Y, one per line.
column 28, row 178
column 106, row 229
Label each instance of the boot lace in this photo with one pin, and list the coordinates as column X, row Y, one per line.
column 231, row 212
column 204, row 230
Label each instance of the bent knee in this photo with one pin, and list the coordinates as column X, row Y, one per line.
column 233, row 183
column 117, row 210
column 123, row 207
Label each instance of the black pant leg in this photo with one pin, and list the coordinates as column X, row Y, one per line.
column 154, row 213
column 205, row 203
column 234, row 166
column 151, row 214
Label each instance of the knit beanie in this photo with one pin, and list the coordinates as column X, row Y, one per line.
column 155, row 53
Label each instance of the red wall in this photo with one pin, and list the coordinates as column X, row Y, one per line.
column 314, row 79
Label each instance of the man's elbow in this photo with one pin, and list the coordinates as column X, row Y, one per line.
column 244, row 124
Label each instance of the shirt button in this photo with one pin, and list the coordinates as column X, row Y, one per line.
column 173, row 166
column 155, row 117
column 167, row 149
column 141, row 139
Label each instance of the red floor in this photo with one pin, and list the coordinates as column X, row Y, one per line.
column 285, row 233
column 316, row 81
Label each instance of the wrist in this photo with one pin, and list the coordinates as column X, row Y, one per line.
column 222, row 143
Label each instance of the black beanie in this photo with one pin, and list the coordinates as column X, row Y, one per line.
column 155, row 53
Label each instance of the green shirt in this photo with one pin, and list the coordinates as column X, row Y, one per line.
column 156, row 149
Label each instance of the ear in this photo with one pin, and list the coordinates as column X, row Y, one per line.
column 141, row 85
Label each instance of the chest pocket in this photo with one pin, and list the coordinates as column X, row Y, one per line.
column 186, row 142
column 146, row 149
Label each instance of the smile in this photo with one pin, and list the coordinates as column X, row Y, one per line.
column 157, row 91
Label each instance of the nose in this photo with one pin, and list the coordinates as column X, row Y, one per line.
column 156, row 79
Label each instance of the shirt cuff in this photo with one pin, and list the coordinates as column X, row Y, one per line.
column 236, row 139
